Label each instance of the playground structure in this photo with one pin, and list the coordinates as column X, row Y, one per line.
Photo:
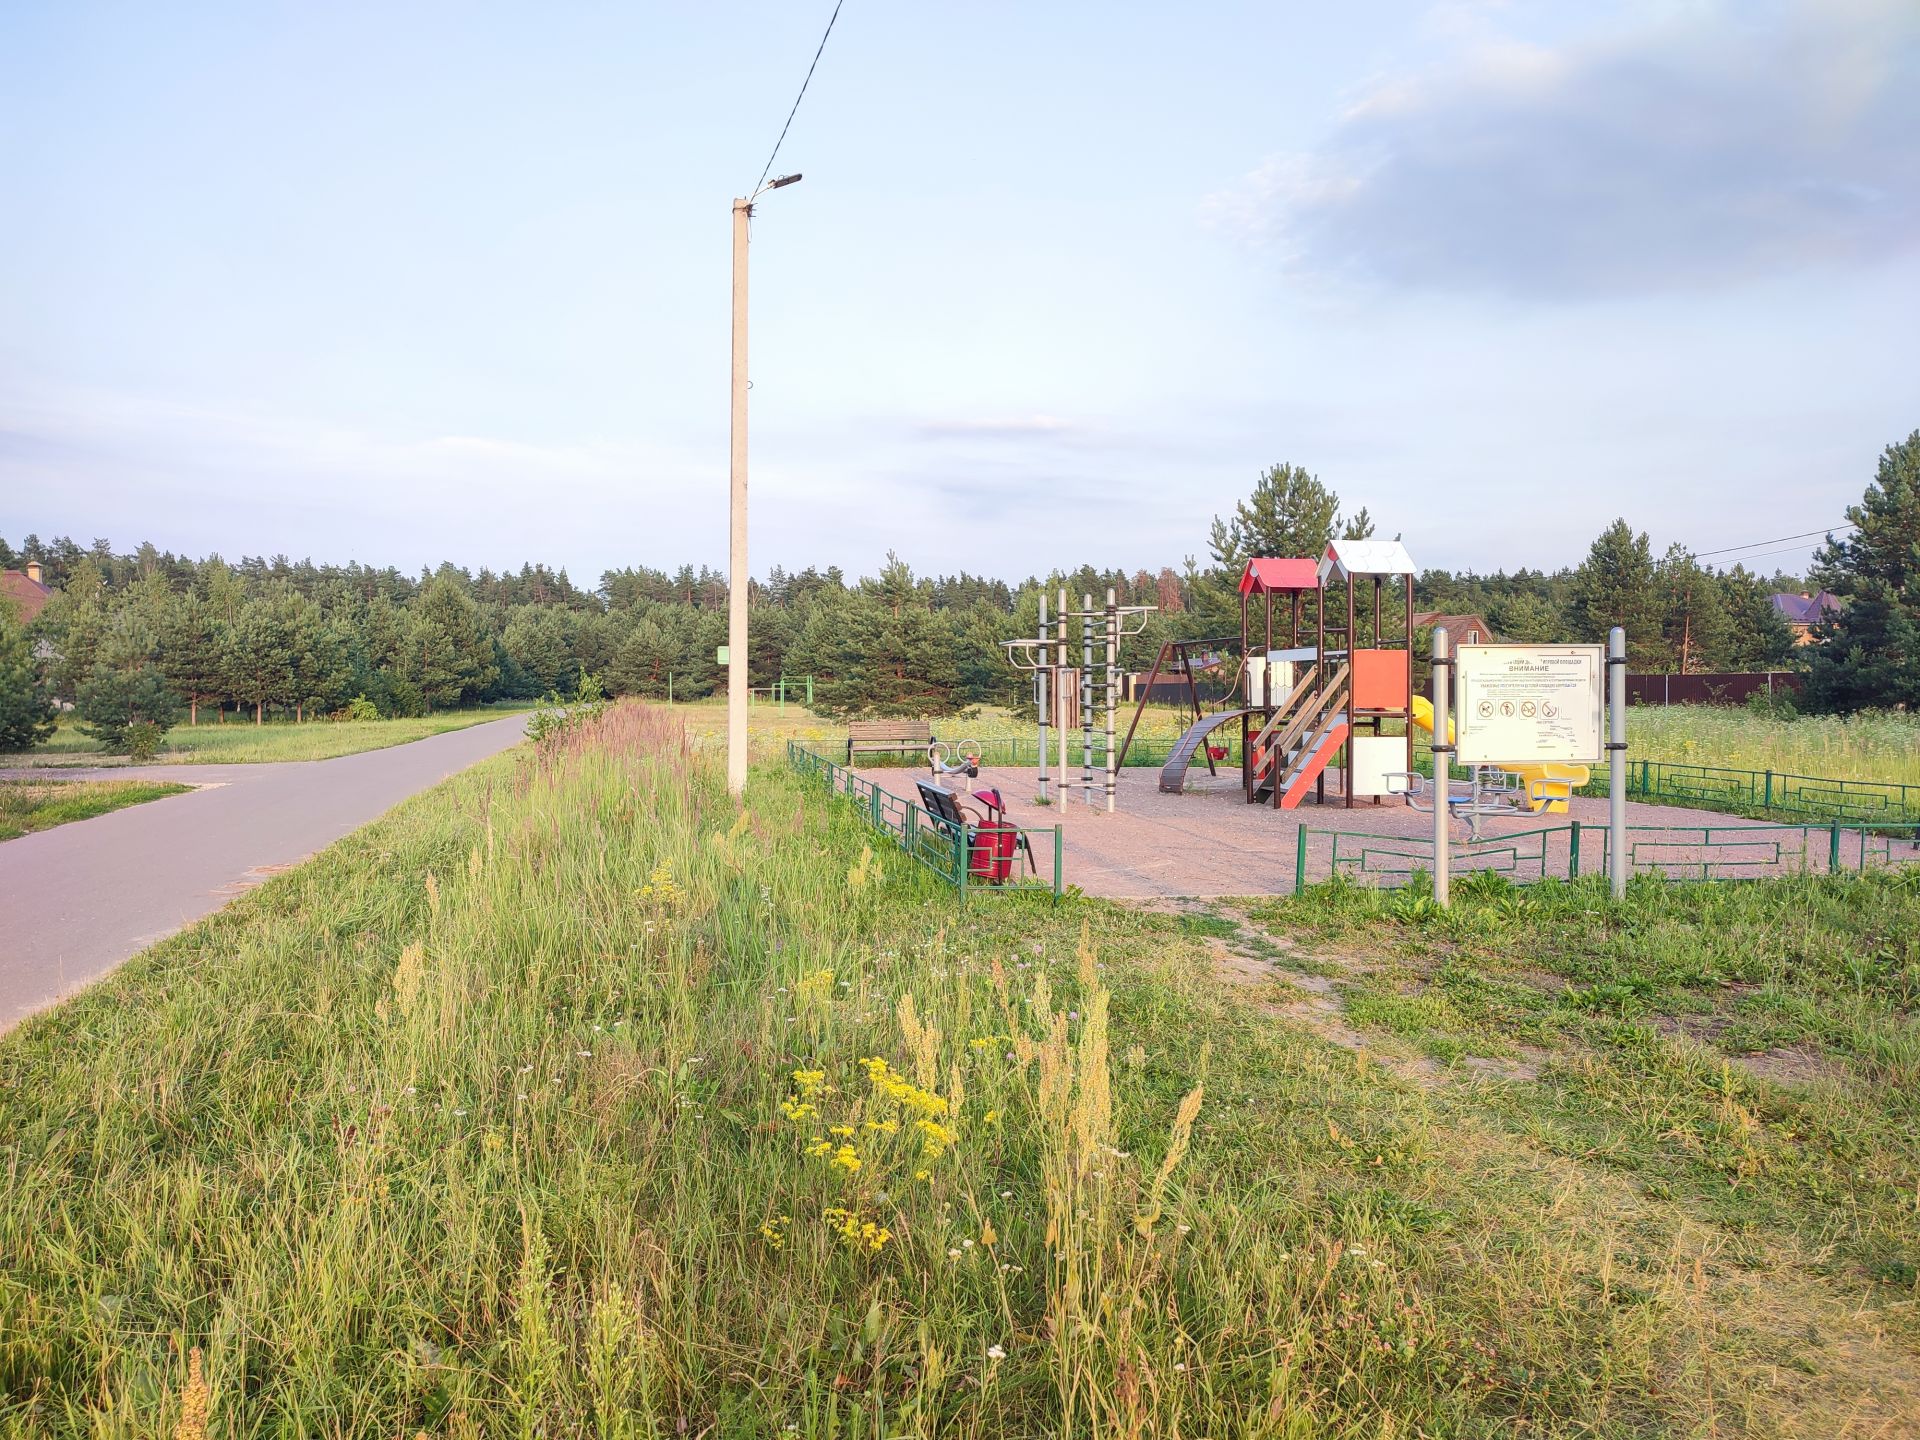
column 1301, row 707
column 1064, row 686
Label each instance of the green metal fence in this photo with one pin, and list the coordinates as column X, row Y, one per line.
column 949, row 851
column 1012, row 750
column 1565, row 852
column 1771, row 792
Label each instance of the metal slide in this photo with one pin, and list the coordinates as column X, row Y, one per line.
column 1173, row 774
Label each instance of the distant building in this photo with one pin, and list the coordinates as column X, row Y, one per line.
column 1461, row 629
column 1803, row 611
column 25, row 589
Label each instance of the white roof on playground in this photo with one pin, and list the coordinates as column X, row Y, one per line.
column 1346, row 558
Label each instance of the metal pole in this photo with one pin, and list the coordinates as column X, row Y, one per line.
column 1042, row 695
column 737, row 517
column 1113, row 688
column 1617, row 760
column 1086, row 698
column 1061, row 714
column 1442, row 762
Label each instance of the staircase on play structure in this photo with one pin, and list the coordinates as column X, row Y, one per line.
column 1296, row 744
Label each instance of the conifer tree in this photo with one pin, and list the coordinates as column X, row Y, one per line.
column 1868, row 654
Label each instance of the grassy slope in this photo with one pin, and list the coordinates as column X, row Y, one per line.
column 241, row 743
column 475, row 1125
column 1860, row 747
column 26, row 806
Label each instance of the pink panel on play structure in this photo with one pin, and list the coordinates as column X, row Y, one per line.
column 1278, row 575
column 1380, row 680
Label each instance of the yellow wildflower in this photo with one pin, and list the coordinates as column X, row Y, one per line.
column 855, row 1229
column 845, row 1132
column 936, row 1139
column 774, row 1231
column 819, row 1146
column 809, row 1082
column 847, row 1158
column 796, row 1109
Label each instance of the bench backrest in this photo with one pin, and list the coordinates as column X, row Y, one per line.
column 902, row 731
column 940, row 803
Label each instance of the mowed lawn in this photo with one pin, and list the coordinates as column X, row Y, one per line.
column 27, row 806
column 574, row 1099
column 242, row 742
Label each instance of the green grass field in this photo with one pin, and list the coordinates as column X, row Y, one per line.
column 239, row 742
column 571, row 1099
column 1873, row 746
column 26, row 806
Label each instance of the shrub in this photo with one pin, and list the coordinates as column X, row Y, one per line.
column 359, row 708
column 112, row 701
column 143, row 740
column 26, row 712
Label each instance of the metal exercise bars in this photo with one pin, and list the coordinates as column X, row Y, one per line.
column 1062, row 686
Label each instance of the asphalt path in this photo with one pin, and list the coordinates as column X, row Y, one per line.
column 77, row 900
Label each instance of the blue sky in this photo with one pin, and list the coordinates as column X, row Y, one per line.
column 400, row 283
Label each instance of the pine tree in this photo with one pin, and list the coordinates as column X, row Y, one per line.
column 1868, row 654
column 27, row 713
column 1694, row 616
column 1615, row 586
column 1757, row 638
column 1290, row 513
column 455, row 655
column 192, row 650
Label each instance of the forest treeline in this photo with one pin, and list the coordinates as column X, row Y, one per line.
column 269, row 636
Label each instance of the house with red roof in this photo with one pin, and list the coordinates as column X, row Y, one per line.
column 26, row 591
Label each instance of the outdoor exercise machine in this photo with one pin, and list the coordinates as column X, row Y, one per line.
column 1065, row 686
column 946, row 757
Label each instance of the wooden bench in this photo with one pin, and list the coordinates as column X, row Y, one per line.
column 888, row 736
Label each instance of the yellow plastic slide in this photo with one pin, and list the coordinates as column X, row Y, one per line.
column 1546, row 786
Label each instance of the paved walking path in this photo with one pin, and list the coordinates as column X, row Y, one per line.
column 77, row 900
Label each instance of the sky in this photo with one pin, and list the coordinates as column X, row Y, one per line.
column 408, row 283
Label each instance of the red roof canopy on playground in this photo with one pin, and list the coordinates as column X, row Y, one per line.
column 1265, row 575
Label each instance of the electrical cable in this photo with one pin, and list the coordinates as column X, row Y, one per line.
column 797, row 99
column 1756, row 544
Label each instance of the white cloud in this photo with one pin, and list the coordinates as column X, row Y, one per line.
column 1728, row 142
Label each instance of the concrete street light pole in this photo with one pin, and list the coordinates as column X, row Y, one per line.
column 737, row 582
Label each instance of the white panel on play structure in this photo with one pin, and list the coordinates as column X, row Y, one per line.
column 1379, row 765
column 1281, row 663
column 1346, row 558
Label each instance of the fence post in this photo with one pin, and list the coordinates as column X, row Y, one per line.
column 1059, row 864
column 1573, row 853
column 1617, row 761
column 1833, row 848
column 1442, row 747
column 1300, row 860
column 1768, row 802
column 960, row 854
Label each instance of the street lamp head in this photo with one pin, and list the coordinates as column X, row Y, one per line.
column 779, row 180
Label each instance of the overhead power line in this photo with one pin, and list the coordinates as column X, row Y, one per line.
column 1756, row 544
column 796, row 100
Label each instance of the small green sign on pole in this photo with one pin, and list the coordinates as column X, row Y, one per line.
column 722, row 655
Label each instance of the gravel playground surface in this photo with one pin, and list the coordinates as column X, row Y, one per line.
column 1208, row 841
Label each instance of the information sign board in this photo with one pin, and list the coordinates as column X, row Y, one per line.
column 1523, row 703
